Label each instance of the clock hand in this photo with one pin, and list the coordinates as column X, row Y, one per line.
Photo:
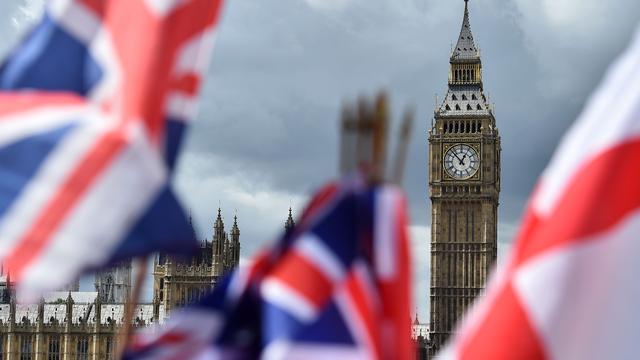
column 456, row 155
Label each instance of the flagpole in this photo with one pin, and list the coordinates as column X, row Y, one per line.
column 129, row 308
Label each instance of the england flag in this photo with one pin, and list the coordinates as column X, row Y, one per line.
column 570, row 287
column 336, row 287
column 93, row 105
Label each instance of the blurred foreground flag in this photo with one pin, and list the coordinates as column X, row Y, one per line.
column 336, row 287
column 570, row 289
column 92, row 108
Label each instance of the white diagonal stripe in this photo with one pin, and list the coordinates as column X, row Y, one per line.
column 581, row 299
column 317, row 253
column 49, row 177
column 101, row 219
column 385, row 232
column 289, row 300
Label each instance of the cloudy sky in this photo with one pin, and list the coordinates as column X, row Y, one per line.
column 266, row 136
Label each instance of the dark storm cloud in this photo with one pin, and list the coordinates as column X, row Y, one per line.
column 282, row 68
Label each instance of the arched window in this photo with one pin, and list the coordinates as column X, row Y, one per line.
column 82, row 348
column 469, row 107
column 454, row 97
column 54, row 348
column 464, row 97
column 26, row 347
column 457, row 107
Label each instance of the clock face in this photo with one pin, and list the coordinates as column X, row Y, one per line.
column 461, row 162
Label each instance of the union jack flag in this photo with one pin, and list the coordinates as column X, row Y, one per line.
column 93, row 105
column 336, row 286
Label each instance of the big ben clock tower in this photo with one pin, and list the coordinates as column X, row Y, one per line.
column 464, row 183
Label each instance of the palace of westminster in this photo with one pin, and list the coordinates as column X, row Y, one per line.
column 84, row 325
column 464, row 187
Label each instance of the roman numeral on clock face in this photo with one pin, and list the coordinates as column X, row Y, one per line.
column 461, row 162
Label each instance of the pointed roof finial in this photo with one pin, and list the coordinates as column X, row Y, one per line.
column 219, row 224
column 289, row 224
column 465, row 48
column 235, row 230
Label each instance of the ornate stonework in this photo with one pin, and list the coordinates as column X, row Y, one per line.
column 80, row 325
column 464, row 184
column 177, row 283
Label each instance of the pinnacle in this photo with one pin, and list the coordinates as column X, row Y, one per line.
column 219, row 223
column 290, row 223
column 235, row 221
column 465, row 47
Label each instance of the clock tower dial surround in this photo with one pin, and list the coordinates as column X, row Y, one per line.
column 461, row 161
column 464, row 187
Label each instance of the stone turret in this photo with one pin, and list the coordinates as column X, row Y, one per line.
column 219, row 239
column 289, row 224
column 69, row 312
column 234, row 246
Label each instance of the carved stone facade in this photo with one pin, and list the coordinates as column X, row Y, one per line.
column 65, row 326
column 464, row 184
column 73, row 325
column 114, row 284
column 178, row 282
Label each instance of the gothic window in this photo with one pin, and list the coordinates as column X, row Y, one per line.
column 54, row 348
column 469, row 107
column 474, row 97
column 108, row 351
column 453, row 97
column 161, row 284
column 479, row 107
column 448, row 107
column 26, row 347
column 464, row 97
column 458, row 107
column 82, row 348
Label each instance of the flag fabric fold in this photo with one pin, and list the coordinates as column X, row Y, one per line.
column 93, row 105
column 337, row 285
column 569, row 289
